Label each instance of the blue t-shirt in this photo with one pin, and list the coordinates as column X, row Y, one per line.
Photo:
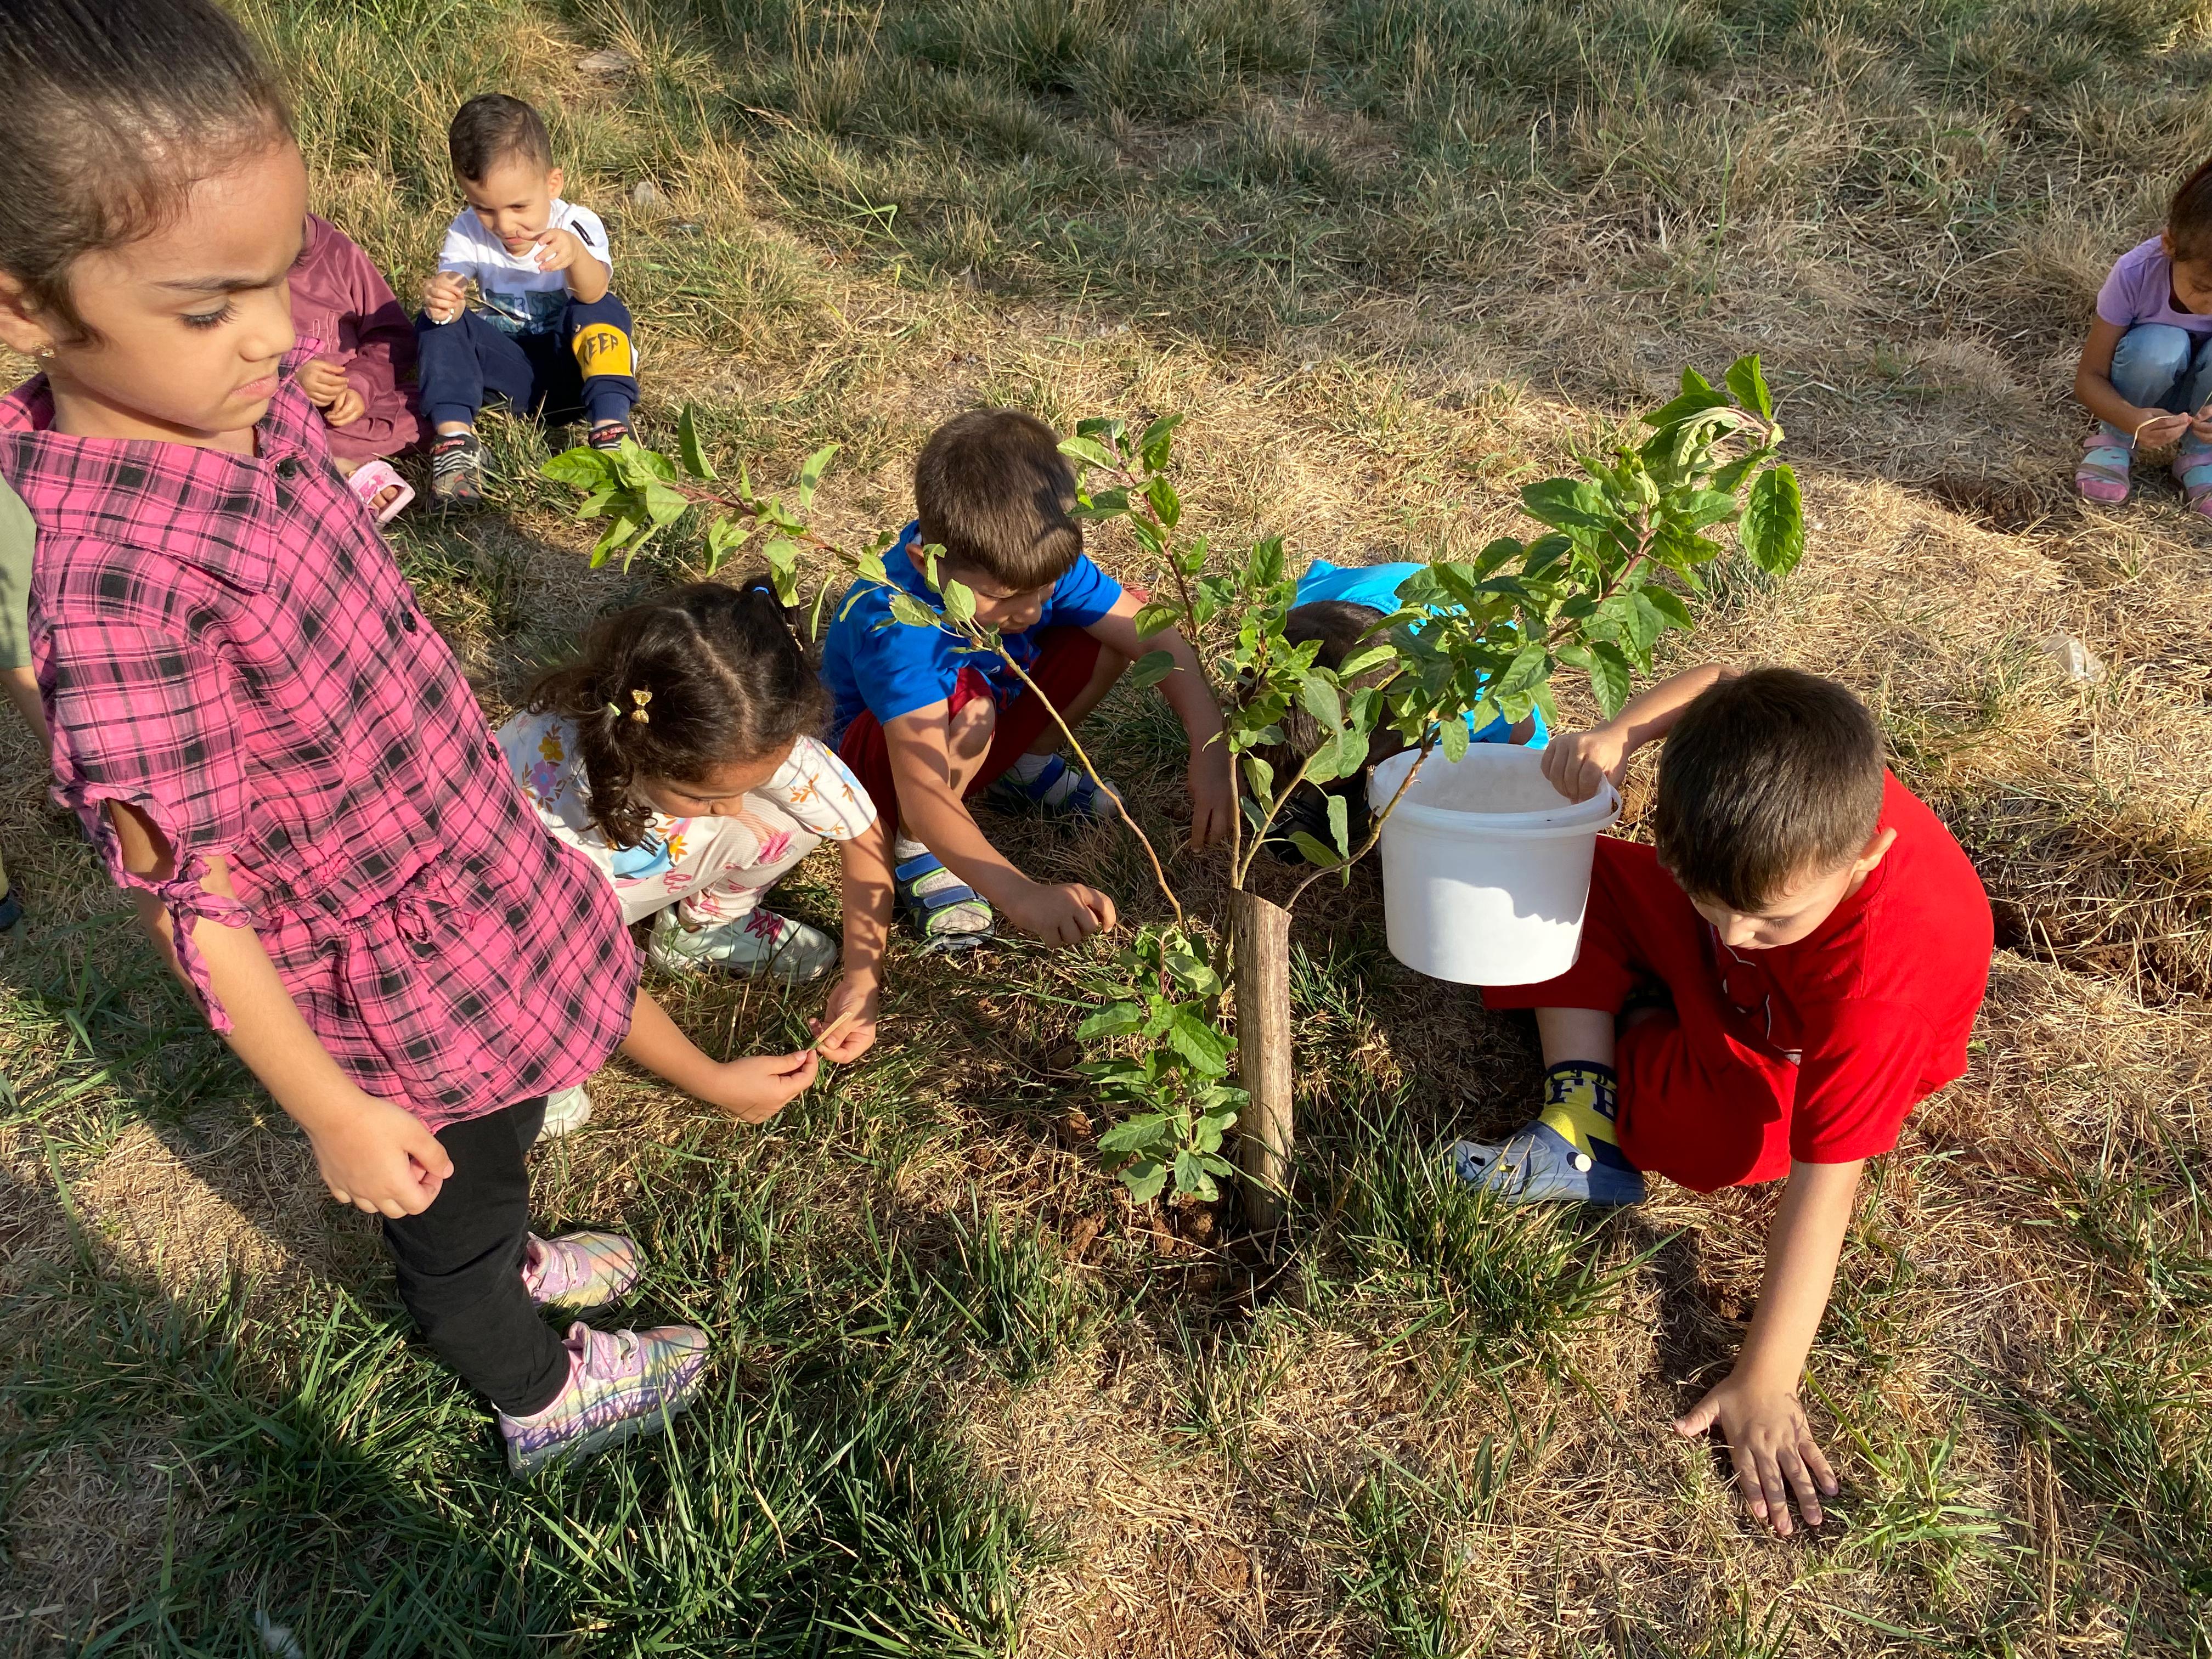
column 887, row 668
column 1376, row 587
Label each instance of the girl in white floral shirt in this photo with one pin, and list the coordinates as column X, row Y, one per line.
column 676, row 754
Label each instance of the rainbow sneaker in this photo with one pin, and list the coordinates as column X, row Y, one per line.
column 620, row 1384
column 759, row 942
column 577, row 1273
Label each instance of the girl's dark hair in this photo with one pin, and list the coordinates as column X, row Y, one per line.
column 109, row 112
column 699, row 677
column 2189, row 218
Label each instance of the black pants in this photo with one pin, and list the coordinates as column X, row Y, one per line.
column 460, row 1265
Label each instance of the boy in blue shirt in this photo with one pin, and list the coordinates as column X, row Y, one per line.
column 929, row 722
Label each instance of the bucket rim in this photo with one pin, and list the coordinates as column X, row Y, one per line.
column 1600, row 812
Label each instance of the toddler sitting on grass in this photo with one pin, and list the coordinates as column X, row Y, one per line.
column 2146, row 368
column 929, row 721
column 360, row 378
column 551, row 338
column 1767, row 992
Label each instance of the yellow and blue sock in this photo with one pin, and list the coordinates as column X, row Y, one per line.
column 1582, row 1106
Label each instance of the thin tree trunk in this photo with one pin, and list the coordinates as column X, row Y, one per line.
column 1261, row 933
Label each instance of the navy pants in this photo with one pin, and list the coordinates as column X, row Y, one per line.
column 586, row 365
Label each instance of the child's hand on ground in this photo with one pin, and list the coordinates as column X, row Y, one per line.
column 1578, row 764
column 557, row 249
column 379, row 1158
column 444, row 296
column 860, row 999
column 322, row 379
column 1066, row 914
column 1772, row 1444
column 1213, row 794
column 756, row 1089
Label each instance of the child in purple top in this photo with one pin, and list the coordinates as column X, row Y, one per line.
column 363, row 378
column 2145, row 369
column 277, row 757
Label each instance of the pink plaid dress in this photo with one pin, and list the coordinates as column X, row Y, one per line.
column 224, row 643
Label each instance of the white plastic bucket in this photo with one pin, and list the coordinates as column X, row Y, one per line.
column 1486, row 866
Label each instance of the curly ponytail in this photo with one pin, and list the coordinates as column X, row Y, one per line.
column 701, row 677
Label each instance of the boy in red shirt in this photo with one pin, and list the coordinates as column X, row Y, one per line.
column 1767, row 992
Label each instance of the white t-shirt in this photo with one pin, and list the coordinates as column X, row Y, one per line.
column 812, row 788
column 517, row 296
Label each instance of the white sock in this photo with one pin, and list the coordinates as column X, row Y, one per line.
column 1028, row 768
column 906, row 848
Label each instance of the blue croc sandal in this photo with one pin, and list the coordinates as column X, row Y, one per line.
column 1059, row 791
column 1537, row 1164
column 954, row 916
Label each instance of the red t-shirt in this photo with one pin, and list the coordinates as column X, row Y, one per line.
column 1875, row 1006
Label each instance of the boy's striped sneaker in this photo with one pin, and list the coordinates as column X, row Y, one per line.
column 1536, row 1163
column 1048, row 786
column 954, row 916
column 577, row 1272
column 620, row 1384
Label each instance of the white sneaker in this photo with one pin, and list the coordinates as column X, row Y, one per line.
column 565, row 1110
column 761, row 943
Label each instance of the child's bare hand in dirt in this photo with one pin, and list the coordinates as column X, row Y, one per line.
column 1212, row 787
column 324, row 381
column 1771, row 1445
column 757, row 1088
column 444, row 296
column 379, row 1157
column 1066, row 914
column 1578, row 764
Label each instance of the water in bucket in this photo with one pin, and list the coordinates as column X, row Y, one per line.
column 1486, row 866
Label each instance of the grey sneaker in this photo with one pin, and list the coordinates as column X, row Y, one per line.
column 761, row 943
column 1536, row 1163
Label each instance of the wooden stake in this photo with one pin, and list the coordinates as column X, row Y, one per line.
column 1261, row 933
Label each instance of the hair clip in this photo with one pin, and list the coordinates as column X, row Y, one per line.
column 638, row 714
column 615, row 710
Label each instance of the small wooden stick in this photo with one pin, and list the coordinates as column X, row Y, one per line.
column 834, row 1027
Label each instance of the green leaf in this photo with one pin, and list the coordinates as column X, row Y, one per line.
column 911, row 611
column 1749, row 385
column 811, row 471
column 1191, row 1177
column 1114, row 1020
column 1167, row 506
column 1698, row 395
column 1772, row 529
column 1567, row 504
column 959, row 604
column 1529, row 666
column 1314, row 851
column 1156, row 615
column 1367, row 657
column 1201, row 1045
column 665, row 506
column 1153, row 449
column 1133, row 1134
column 1610, row 677
column 583, row 466
column 1087, row 450
column 1260, row 775
column 1452, row 739
column 1339, row 825
column 596, row 503
column 1668, row 604
column 1144, row 1179
column 1152, row 668
column 620, row 530
column 687, row 439
column 1322, row 702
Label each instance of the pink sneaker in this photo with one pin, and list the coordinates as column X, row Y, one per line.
column 577, row 1272
column 620, row 1384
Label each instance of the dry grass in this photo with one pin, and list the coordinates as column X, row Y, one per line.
column 1390, row 262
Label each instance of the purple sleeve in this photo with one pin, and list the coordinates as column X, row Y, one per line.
column 2120, row 301
column 382, row 359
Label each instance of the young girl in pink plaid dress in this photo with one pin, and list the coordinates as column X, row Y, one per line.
column 276, row 755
